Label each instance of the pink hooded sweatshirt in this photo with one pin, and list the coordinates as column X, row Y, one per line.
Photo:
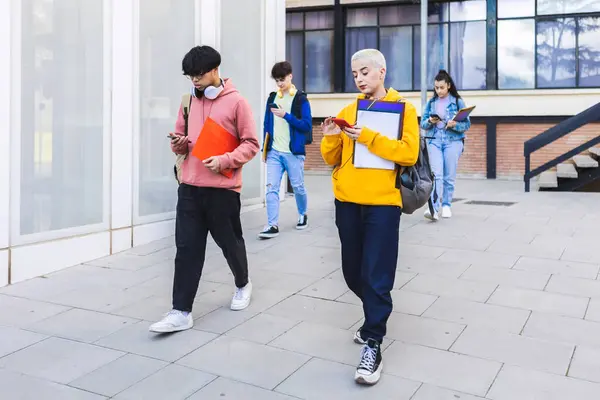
column 232, row 112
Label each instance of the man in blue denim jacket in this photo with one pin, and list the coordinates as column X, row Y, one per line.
column 445, row 139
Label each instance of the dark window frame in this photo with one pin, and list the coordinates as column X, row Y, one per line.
column 303, row 32
column 537, row 18
column 339, row 75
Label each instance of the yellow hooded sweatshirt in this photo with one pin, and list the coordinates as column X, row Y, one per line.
column 371, row 186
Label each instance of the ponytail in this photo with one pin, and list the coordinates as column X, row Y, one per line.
column 443, row 76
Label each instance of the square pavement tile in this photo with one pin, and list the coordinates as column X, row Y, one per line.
column 14, row 339
column 516, row 350
column 450, row 269
column 303, row 308
column 451, row 287
column 167, row 347
column 477, row 314
column 226, row 389
column 244, row 361
column 497, row 260
column 59, row 360
column 81, row 325
column 327, row 380
column 263, row 328
column 454, row 371
column 118, row 375
column 322, row 341
column 154, row 308
column 508, row 277
column 558, row 267
column 536, row 300
column 563, row 329
column 424, row 331
column 23, row 312
column 173, row 382
column 326, row 288
column 22, row 387
column 515, row 383
column 429, row 392
column 586, row 364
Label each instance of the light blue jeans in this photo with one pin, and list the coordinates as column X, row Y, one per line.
column 277, row 164
column 444, row 152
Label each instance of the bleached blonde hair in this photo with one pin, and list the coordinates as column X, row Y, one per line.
column 372, row 55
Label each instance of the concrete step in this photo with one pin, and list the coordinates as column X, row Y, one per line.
column 548, row 179
column 595, row 152
column 566, row 170
column 582, row 161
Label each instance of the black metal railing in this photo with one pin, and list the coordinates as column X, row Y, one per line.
column 567, row 126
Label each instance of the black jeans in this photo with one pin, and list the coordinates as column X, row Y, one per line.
column 369, row 236
column 200, row 211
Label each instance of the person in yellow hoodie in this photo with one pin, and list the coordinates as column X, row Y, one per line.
column 368, row 206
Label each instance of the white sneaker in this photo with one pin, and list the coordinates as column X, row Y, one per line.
column 241, row 297
column 174, row 321
column 434, row 217
column 446, row 212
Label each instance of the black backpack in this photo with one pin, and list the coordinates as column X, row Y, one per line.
column 417, row 182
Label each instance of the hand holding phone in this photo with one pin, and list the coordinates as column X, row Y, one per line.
column 274, row 105
column 342, row 123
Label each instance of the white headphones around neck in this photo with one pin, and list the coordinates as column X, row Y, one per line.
column 210, row 92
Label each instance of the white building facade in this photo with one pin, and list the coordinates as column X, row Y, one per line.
column 89, row 90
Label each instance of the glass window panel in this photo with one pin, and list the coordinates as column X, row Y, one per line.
column 319, row 62
column 546, row 7
column 437, row 57
column 399, row 15
column 468, row 10
column 294, row 53
column 396, row 46
column 319, row 20
column 589, row 52
column 62, row 114
column 436, row 12
column 294, row 21
column 468, row 54
column 166, row 35
column 357, row 39
column 516, row 54
column 361, row 17
column 556, row 53
column 516, row 8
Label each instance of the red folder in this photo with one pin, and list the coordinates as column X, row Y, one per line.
column 214, row 140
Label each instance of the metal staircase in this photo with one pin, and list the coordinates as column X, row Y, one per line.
column 577, row 169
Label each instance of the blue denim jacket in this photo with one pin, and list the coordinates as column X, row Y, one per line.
column 456, row 133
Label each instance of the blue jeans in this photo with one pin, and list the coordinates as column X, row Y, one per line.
column 277, row 163
column 444, row 152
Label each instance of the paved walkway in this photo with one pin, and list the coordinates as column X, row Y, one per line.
column 502, row 302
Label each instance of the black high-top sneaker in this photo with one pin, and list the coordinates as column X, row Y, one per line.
column 302, row 222
column 269, row 232
column 369, row 369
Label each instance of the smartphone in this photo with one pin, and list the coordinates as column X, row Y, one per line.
column 342, row 123
column 435, row 116
column 172, row 137
column 273, row 105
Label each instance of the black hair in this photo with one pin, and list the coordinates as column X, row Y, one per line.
column 281, row 70
column 200, row 60
column 444, row 76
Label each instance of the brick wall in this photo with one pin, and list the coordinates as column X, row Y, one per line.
column 473, row 162
column 510, row 138
column 314, row 161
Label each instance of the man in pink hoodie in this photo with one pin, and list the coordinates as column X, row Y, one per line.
column 209, row 201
